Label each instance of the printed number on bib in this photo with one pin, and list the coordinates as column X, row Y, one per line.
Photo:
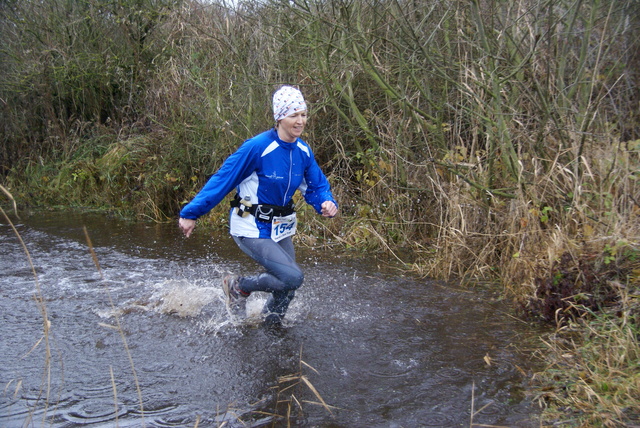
column 281, row 227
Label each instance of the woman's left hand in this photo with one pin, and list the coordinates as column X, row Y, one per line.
column 329, row 209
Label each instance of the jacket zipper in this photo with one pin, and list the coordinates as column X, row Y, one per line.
column 284, row 201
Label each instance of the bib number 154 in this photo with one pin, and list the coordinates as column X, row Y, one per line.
column 282, row 227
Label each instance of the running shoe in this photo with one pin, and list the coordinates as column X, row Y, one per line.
column 235, row 300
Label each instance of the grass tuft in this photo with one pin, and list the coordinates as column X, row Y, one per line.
column 592, row 372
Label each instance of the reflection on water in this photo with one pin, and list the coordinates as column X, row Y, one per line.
column 381, row 350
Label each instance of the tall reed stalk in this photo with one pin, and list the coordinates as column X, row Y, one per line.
column 45, row 396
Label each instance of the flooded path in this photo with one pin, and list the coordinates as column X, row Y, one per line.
column 378, row 349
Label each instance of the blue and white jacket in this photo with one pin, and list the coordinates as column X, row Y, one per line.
column 268, row 170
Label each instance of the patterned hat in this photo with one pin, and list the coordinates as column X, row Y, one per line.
column 286, row 101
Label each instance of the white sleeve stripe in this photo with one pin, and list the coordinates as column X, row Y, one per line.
column 271, row 147
column 304, row 148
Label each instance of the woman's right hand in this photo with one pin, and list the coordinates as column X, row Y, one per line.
column 187, row 226
column 329, row 209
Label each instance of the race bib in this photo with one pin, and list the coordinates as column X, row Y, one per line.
column 281, row 227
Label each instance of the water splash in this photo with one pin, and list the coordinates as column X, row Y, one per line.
column 183, row 298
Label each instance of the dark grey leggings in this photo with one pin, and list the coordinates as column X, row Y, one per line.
column 283, row 276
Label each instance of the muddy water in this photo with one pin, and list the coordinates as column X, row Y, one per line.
column 380, row 350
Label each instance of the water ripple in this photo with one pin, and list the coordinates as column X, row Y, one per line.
column 437, row 420
column 451, row 373
column 94, row 411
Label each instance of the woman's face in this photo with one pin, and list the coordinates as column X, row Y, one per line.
column 291, row 127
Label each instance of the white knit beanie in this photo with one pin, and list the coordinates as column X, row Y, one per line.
column 286, row 101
